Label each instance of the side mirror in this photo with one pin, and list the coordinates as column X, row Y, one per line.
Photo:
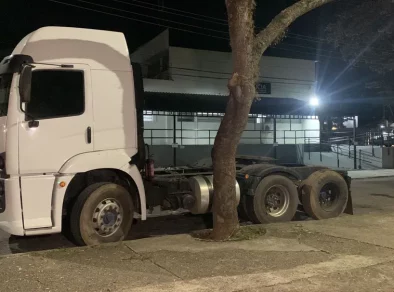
column 25, row 83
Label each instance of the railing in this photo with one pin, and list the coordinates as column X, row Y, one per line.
column 363, row 137
column 207, row 136
column 345, row 154
column 341, row 146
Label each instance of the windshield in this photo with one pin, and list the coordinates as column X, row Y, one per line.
column 5, row 85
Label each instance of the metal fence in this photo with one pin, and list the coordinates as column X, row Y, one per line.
column 207, row 137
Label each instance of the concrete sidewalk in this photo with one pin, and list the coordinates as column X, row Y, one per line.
column 350, row 253
column 360, row 174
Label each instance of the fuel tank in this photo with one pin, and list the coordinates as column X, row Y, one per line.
column 202, row 191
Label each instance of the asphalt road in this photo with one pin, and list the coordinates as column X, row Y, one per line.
column 369, row 195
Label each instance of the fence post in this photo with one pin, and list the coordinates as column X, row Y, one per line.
column 195, row 142
column 355, row 156
column 174, row 142
column 309, row 148
column 359, row 159
column 350, row 141
column 337, row 155
column 373, row 151
column 275, row 154
column 354, row 143
column 209, row 137
column 321, row 156
column 260, row 137
column 382, row 137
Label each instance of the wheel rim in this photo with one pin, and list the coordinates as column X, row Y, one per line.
column 277, row 200
column 329, row 196
column 107, row 217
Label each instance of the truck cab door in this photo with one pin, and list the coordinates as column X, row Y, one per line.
column 55, row 126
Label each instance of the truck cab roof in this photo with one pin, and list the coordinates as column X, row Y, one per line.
column 100, row 49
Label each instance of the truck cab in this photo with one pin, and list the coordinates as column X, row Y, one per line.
column 67, row 107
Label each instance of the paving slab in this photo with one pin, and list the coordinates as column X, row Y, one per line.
column 247, row 282
column 323, row 256
column 227, row 262
column 186, row 243
column 105, row 268
column 373, row 278
column 189, row 258
column 376, row 229
column 327, row 243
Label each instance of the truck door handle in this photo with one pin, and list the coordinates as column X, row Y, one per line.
column 33, row 124
column 89, row 134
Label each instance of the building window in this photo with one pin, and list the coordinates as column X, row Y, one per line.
column 185, row 119
column 56, row 93
column 149, row 118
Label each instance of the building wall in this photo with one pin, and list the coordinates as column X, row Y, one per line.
column 146, row 52
column 207, row 72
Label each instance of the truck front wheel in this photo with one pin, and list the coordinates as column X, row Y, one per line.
column 275, row 200
column 102, row 213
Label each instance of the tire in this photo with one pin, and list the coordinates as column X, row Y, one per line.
column 324, row 194
column 258, row 207
column 97, row 205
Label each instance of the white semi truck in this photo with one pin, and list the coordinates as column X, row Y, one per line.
column 73, row 157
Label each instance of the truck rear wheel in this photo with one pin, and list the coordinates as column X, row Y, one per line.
column 102, row 213
column 275, row 200
column 324, row 194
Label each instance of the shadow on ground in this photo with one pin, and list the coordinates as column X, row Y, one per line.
column 159, row 226
column 168, row 225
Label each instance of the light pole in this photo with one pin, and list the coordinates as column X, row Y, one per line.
column 314, row 103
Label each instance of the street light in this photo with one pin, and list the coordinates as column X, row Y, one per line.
column 314, row 101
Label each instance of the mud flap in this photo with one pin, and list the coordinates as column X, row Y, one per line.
column 349, row 205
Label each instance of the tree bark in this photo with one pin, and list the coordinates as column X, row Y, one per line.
column 241, row 87
column 247, row 50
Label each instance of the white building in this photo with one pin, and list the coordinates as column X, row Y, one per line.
column 179, row 80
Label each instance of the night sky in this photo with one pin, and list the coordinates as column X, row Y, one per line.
column 141, row 20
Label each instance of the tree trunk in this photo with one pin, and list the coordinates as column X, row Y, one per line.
column 247, row 49
column 225, row 216
column 241, row 87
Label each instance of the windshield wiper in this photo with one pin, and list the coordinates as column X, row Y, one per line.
column 50, row 64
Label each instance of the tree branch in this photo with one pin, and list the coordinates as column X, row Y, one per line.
column 281, row 22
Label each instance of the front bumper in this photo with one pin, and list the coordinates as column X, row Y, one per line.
column 11, row 217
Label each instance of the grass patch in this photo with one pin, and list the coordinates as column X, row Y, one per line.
column 242, row 233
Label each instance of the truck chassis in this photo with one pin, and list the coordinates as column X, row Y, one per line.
column 266, row 192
